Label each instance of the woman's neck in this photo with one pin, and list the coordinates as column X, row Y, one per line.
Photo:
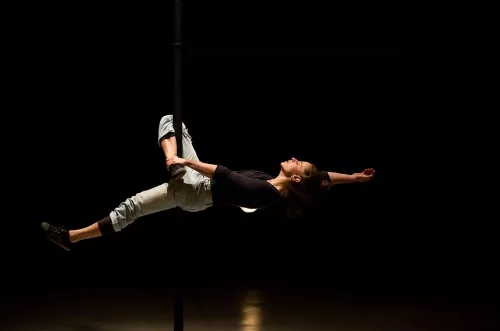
column 280, row 182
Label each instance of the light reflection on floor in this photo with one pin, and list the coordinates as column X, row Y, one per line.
column 251, row 312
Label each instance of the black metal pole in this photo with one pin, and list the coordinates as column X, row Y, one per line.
column 178, row 298
column 177, row 76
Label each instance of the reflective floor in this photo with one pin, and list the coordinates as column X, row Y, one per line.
column 234, row 310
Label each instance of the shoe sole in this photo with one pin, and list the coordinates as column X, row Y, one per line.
column 58, row 244
column 179, row 174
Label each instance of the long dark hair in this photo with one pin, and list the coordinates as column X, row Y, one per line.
column 300, row 196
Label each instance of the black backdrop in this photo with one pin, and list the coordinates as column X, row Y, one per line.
column 262, row 84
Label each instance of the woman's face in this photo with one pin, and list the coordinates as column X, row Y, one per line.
column 295, row 167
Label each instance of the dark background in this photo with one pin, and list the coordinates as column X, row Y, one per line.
column 262, row 83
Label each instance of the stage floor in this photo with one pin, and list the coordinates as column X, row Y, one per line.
column 233, row 309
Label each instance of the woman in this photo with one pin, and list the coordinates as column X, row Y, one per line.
column 196, row 186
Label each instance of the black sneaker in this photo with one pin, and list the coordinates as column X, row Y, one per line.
column 59, row 236
column 176, row 171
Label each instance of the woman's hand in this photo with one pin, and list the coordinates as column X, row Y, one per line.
column 176, row 160
column 364, row 176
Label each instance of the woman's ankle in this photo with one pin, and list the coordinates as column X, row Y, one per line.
column 72, row 236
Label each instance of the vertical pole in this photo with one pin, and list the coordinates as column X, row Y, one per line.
column 177, row 77
column 178, row 298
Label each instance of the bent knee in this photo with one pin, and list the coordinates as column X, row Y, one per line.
column 167, row 118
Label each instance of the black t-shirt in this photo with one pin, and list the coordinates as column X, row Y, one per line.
column 248, row 188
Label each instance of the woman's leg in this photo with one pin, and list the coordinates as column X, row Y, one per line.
column 92, row 231
column 65, row 238
column 168, row 143
column 147, row 202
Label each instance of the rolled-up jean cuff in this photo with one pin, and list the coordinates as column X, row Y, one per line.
column 166, row 126
column 114, row 222
column 168, row 135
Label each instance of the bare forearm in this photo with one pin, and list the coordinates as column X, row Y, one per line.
column 338, row 178
column 205, row 169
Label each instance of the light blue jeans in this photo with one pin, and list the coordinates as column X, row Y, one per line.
column 191, row 193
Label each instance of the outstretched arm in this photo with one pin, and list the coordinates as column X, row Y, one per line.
column 206, row 169
column 338, row 178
